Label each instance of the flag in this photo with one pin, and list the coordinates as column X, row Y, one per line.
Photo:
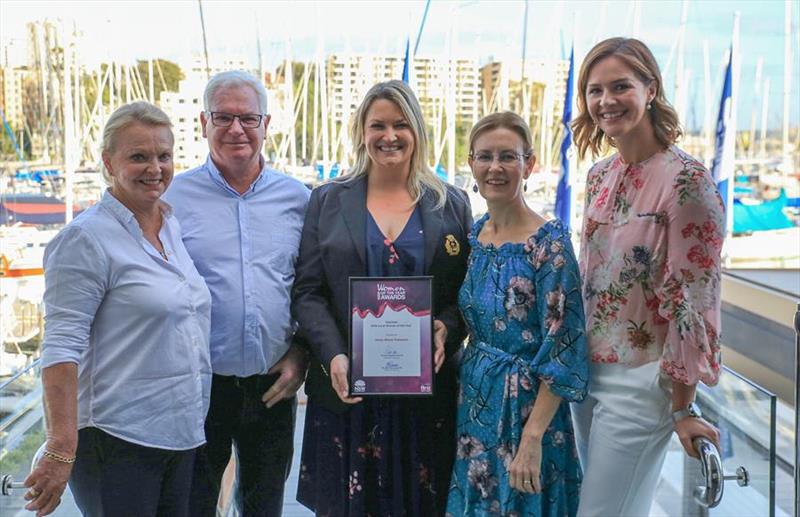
column 724, row 145
column 563, row 208
column 406, row 61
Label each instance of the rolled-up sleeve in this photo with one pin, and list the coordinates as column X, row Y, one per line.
column 689, row 296
column 75, row 283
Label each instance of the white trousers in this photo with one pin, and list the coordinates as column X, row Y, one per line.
column 623, row 429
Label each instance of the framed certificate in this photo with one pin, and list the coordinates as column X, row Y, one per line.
column 391, row 336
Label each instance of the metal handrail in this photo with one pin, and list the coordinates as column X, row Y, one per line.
column 20, row 373
column 797, row 411
column 7, row 483
column 710, row 494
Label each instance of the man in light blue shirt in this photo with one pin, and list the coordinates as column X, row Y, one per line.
column 241, row 224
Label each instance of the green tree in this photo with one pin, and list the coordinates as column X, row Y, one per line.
column 7, row 149
column 166, row 76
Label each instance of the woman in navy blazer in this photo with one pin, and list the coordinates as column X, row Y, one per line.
column 389, row 216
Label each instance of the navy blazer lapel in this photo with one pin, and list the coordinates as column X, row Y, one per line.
column 353, row 206
column 431, row 226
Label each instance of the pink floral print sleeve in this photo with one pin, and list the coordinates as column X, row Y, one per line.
column 650, row 260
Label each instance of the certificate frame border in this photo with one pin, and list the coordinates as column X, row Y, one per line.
column 350, row 281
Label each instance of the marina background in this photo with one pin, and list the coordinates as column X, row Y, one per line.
column 64, row 67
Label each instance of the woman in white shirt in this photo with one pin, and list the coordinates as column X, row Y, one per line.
column 125, row 359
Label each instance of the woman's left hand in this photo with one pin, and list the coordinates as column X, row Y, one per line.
column 439, row 338
column 689, row 428
column 525, row 468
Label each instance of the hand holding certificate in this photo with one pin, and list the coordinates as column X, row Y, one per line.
column 391, row 336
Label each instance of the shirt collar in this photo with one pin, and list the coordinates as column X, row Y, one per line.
column 219, row 179
column 124, row 215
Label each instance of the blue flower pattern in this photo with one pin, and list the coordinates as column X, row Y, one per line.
column 523, row 305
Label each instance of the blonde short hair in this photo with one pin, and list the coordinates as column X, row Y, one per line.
column 127, row 114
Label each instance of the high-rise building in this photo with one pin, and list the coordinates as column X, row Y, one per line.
column 351, row 75
column 183, row 108
column 12, row 93
column 501, row 85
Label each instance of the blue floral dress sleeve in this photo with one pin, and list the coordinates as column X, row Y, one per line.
column 562, row 360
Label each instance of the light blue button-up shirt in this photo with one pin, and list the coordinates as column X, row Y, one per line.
column 137, row 325
column 245, row 246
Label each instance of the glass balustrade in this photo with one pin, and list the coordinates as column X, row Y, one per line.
column 746, row 416
column 21, row 433
column 749, row 418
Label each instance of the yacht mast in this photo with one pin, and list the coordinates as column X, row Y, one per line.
column 681, row 78
column 764, row 111
column 526, row 107
column 69, row 128
column 786, row 149
column 754, row 108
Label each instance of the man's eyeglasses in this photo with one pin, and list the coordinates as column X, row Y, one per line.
column 248, row 120
column 504, row 157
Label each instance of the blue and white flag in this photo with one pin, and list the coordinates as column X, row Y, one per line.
column 563, row 208
column 406, row 62
column 724, row 147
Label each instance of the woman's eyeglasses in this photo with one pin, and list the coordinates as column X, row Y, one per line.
column 504, row 157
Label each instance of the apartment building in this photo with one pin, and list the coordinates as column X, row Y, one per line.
column 501, row 84
column 351, row 75
column 12, row 92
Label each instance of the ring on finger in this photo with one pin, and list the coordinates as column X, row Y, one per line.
column 528, row 482
column 34, row 493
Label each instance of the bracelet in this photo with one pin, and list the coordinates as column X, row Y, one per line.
column 57, row 457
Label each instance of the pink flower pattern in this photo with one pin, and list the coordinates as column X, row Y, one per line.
column 650, row 262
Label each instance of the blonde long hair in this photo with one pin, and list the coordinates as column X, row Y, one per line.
column 420, row 176
column 636, row 55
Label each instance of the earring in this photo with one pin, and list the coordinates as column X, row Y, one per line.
column 475, row 187
column 649, row 106
column 525, row 187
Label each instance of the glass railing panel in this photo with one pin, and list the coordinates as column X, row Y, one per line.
column 21, row 434
column 745, row 414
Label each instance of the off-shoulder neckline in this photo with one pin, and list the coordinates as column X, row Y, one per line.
column 511, row 247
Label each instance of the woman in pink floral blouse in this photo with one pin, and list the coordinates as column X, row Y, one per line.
column 650, row 261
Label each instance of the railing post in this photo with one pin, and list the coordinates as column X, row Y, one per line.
column 692, row 472
column 797, row 411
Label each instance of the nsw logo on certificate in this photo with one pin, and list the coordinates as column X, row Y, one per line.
column 391, row 336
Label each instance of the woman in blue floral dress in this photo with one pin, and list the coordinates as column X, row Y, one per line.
column 526, row 357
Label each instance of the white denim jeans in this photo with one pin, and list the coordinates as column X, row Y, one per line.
column 623, row 429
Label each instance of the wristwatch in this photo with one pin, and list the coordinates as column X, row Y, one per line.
column 692, row 410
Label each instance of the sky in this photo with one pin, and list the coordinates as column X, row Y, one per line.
column 129, row 30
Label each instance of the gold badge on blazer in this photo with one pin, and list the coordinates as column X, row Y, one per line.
column 451, row 245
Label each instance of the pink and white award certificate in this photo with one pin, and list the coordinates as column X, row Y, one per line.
column 391, row 336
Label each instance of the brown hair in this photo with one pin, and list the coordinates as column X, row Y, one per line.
column 506, row 120
column 636, row 55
